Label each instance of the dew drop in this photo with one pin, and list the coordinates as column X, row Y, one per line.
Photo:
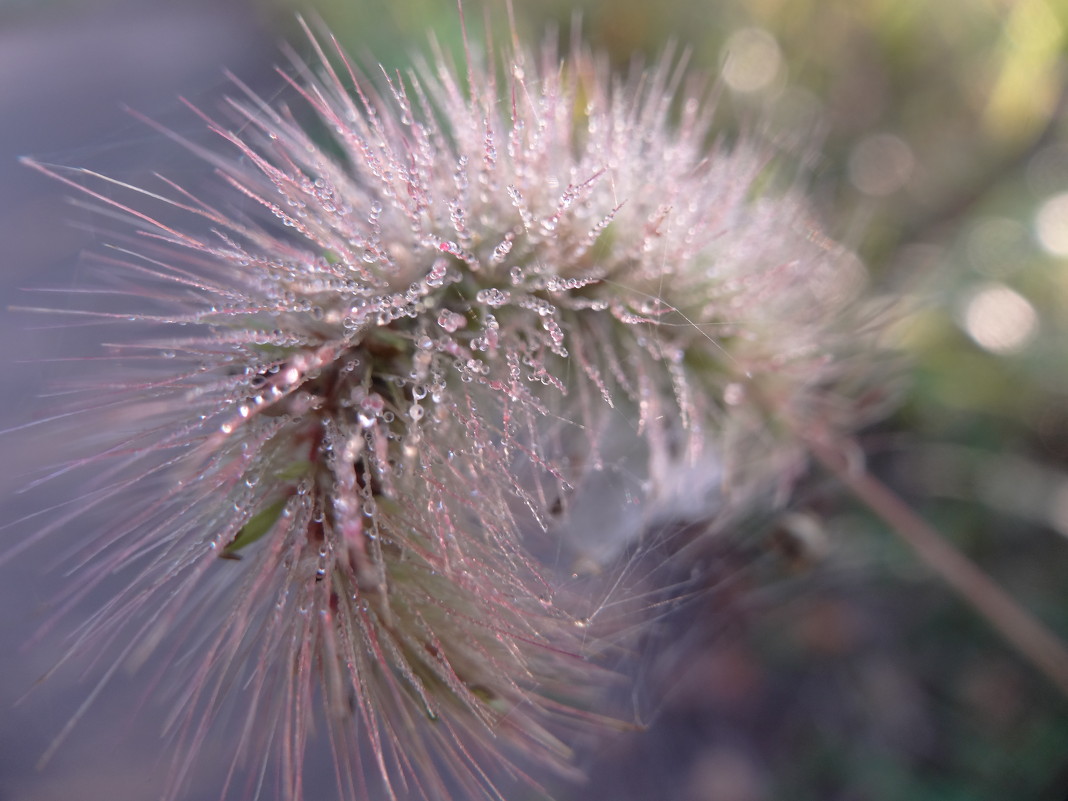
column 492, row 297
column 501, row 251
column 436, row 276
column 451, row 321
column 733, row 394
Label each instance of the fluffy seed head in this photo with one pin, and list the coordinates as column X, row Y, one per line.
column 365, row 395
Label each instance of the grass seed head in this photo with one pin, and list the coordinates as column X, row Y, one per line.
column 360, row 404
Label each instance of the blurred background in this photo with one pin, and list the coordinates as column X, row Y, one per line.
column 934, row 141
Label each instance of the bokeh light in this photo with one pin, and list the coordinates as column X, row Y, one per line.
column 880, row 164
column 753, row 60
column 1000, row 319
column 1051, row 225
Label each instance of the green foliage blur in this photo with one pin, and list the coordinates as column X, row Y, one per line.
column 933, row 138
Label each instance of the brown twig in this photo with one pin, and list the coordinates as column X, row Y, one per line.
column 1031, row 638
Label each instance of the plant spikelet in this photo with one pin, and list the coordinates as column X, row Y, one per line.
column 358, row 403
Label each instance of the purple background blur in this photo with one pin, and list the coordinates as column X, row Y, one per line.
column 66, row 71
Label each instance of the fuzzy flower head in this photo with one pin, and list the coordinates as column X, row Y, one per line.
column 366, row 395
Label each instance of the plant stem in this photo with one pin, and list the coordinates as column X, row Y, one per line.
column 1029, row 636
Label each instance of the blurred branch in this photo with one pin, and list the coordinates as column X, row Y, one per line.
column 928, row 225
